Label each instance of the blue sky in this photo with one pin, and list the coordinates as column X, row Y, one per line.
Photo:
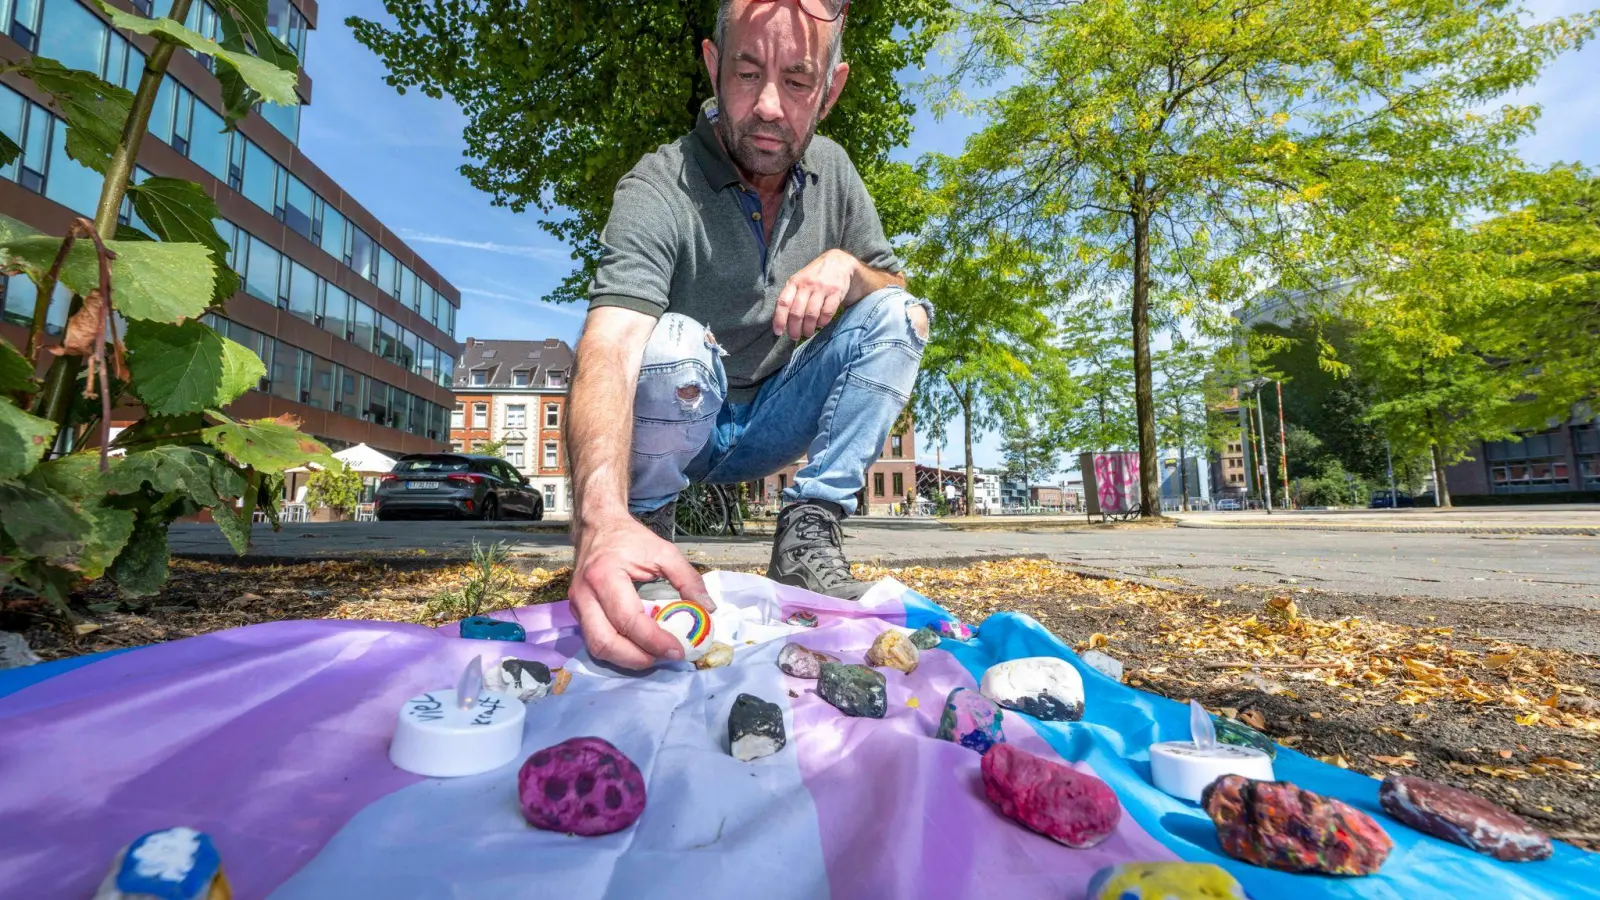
column 398, row 156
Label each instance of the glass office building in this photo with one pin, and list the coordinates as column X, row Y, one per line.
column 357, row 331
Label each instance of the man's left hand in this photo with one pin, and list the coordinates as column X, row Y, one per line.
column 813, row 295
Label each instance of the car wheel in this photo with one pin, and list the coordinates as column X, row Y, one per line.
column 538, row 511
column 490, row 511
column 384, row 517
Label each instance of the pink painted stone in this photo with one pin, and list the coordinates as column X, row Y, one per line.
column 581, row 786
column 1454, row 815
column 953, row 629
column 1055, row 800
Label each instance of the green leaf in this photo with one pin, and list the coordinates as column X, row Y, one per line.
column 245, row 30
column 153, row 281
column 186, row 368
column 130, row 233
column 267, row 445
column 160, row 430
column 42, row 524
column 76, row 476
column 141, row 568
column 267, row 497
column 261, row 75
column 9, row 151
column 16, row 373
column 196, row 472
column 233, row 527
column 24, row 438
column 109, row 534
column 95, row 109
column 181, row 212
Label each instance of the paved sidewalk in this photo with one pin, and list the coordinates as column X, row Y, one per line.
column 1579, row 519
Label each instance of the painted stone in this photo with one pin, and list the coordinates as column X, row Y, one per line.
column 1237, row 733
column 1276, row 825
column 172, row 864
column 925, row 638
column 581, row 786
column 718, row 656
column 895, row 651
column 524, row 679
column 1459, row 817
column 952, row 629
column 483, row 628
column 1164, row 881
column 559, row 679
column 1044, row 687
column 1103, row 663
column 1055, row 800
column 755, row 728
column 802, row 662
column 971, row 720
column 854, row 690
column 805, row 618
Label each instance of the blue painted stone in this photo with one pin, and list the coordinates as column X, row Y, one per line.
column 1164, row 881
column 971, row 720
column 172, row 864
column 483, row 628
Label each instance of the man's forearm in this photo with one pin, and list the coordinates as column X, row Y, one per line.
column 600, row 432
column 867, row 279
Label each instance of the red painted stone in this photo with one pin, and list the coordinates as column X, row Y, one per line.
column 581, row 786
column 1459, row 817
column 1276, row 825
column 1053, row 799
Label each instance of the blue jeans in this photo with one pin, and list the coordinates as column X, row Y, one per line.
column 834, row 403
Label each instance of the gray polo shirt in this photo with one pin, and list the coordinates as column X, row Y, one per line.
column 684, row 237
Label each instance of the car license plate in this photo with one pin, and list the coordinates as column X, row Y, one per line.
column 421, row 485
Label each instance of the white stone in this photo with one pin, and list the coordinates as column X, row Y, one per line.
column 1047, row 688
column 1103, row 663
column 754, row 746
column 15, row 652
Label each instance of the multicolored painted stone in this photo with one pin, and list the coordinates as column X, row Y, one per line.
column 802, row 662
column 581, row 786
column 1237, row 733
column 1451, row 814
column 925, row 638
column 1044, row 687
column 971, row 720
column 805, row 618
column 895, row 651
column 483, row 628
column 171, row 864
column 1164, row 881
column 854, row 690
column 1055, row 800
column 953, row 629
column 1276, row 825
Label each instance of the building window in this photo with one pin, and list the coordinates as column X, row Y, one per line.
column 517, row 416
column 514, row 456
column 458, row 418
column 552, row 415
column 899, row 484
column 549, row 496
column 519, row 378
column 455, row 446
column 897, row 449
column 556, row 379
column 480, row 415
column 551, row 455
column 877, row 484
column 480, row 378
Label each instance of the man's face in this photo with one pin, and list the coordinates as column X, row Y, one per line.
column 772, row 84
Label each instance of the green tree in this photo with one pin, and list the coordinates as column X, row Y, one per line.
column 1180, row 402
column 491, row 448
column 562, row 99
column 1029, row 414
column 1180, row 150
column 337, row 487
column 1103, row 365
column 133, row 337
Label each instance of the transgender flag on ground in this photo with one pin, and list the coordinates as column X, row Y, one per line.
column 274, row 739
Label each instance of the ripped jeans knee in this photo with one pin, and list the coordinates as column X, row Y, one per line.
column 681, row 389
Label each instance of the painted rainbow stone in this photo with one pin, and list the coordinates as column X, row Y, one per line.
column 1164, row 881
column 689, row 622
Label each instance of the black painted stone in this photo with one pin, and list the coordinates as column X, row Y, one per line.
column 755, row 728
column 925, row 638
column 854, row 690
column 1046, row 708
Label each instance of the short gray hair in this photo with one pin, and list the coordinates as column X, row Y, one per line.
column 835, row 50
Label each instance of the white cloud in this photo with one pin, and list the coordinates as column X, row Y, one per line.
column 552, row 254
column 560, row 309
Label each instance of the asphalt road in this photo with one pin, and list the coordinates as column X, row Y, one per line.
column 1561, row 570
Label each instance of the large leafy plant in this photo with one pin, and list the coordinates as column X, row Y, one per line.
column 133, row 336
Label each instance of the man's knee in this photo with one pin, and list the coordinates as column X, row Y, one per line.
column 896, row 313
column 678, row 376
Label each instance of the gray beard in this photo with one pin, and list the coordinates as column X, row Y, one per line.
column 749, row 158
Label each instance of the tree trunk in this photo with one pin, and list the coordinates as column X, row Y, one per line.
column 966, row 437
column 1441, row 490
column 1143, row 387
column 1183, row 475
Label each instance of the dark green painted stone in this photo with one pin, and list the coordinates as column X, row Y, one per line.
column 1232, row 731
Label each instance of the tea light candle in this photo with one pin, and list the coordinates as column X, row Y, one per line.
column 466, row 731
column 1183, row 769
column 687, row 621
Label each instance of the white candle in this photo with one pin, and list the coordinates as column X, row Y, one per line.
column 1185, row 768
column 466, row 731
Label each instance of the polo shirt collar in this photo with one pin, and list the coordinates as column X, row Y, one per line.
column 714, row 161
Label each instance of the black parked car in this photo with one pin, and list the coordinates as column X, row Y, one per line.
column 1381, row 500
column 456, row 485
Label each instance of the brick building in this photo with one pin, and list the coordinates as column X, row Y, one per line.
column 889, row 480
column 516, row 392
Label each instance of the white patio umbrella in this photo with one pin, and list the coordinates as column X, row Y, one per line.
column 365, row 460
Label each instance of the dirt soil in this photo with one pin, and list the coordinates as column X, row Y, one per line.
column 1500, row 699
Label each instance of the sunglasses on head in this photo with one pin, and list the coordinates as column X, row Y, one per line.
column 821, row 10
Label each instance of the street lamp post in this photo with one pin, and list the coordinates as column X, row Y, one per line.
column 1388, row 452
column 1266, row 470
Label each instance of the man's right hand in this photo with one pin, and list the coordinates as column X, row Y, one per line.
column 611, row 558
